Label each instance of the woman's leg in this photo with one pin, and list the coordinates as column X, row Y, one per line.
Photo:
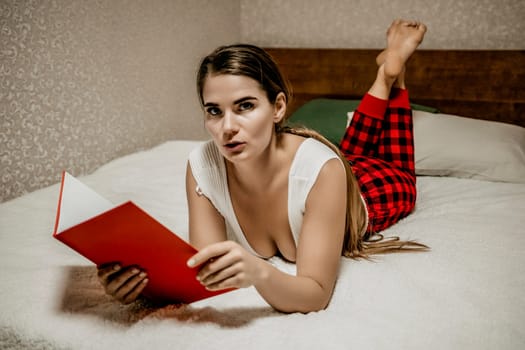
column 385, row 166
column 396, row 141
column 366, row 131
column 379, row 139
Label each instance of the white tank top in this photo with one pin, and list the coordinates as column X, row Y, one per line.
column 209, row 170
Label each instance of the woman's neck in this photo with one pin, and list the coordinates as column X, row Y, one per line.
column 259, row 174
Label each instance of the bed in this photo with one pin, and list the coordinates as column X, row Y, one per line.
column 465, row 293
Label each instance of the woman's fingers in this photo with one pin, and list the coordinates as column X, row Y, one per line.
column 124, row 284
column 220, row 275
column 106, row 271
column 226, row 265
column 131, row 289
column 230, row 282
column 118, row 281
column 210, row 252
column 217, row 262
column 215, row 265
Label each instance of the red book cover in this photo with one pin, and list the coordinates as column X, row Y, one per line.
column 103, row 233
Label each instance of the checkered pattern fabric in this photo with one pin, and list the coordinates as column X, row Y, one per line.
column 379, row 144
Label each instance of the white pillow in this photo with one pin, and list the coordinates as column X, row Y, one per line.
column 450, row 145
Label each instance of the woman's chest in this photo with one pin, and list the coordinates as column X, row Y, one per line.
column 263, row 218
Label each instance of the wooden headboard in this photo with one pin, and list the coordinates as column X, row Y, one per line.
column 483, row 84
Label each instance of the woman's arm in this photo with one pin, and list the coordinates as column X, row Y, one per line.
column 206, row 225
column 319, row 247
column 227, row 265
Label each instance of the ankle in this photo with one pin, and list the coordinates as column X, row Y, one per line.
column 388, row 79
column 400, row 81
column 382, row 85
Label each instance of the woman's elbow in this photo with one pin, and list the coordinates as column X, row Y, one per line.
column 312, row 304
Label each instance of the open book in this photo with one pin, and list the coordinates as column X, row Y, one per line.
column 126, row 234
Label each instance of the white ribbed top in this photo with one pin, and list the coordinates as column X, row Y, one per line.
column 209, row 170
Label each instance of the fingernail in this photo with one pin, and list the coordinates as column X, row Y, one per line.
column 116, row 267
column 191, row 262
column 145, row 280
column 135, row 271
column 142, row 274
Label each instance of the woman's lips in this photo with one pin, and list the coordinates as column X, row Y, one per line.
column 234, row 146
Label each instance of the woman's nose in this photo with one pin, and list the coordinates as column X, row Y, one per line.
column 230, row 123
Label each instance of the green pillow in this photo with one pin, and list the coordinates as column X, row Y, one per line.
column 329, row 116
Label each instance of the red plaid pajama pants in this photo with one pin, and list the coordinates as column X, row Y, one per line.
column 380, row 147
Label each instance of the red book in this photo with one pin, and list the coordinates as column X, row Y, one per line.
column 126, row 234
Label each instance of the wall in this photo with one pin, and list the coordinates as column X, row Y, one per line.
column 453, row 24
column 83, row 82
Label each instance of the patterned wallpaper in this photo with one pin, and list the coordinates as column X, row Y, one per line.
column 83, row 82
column 453, row 24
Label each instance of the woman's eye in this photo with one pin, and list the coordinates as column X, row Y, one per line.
column 245, row 106
column 213, row 111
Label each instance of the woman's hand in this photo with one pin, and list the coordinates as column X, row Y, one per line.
column 124, row 284
column 227, row 265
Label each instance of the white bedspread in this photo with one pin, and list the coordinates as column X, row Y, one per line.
column 467, row 293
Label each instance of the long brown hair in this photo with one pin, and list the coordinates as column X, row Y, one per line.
column 253, row 62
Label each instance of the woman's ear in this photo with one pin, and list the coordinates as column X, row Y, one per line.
column 280, row 107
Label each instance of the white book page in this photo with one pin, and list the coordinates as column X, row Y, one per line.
column 79, row 203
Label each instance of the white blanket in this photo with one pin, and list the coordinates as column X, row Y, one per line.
column 468, row 292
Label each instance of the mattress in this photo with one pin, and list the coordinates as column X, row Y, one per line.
column 467, row 292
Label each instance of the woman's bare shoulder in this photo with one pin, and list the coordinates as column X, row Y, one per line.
column 290, row 143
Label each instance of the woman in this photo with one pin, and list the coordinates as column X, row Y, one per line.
column 261, row 189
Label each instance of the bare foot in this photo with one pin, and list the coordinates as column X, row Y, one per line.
column 399, row 81
column 403, row 37
column 391, row 32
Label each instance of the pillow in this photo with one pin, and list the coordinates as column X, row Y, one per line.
column 328, row 116
column 448, row 145
column 445, row 145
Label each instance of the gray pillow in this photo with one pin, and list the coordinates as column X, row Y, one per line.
column 449, row 145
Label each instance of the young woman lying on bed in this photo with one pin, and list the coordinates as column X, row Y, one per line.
column 261, row 189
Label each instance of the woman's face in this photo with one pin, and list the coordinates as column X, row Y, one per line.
column 238, row 115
